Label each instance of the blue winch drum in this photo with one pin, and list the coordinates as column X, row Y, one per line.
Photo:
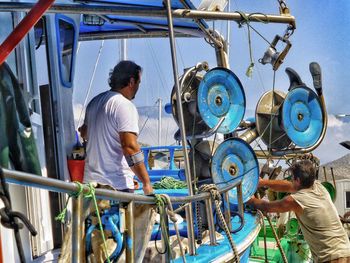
column 234, row 160
column 221, row 94
column 302, row 116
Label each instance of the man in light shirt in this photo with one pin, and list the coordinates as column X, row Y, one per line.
column 111, row 129
column 315, row 211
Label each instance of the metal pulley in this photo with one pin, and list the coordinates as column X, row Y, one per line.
column 269, row 120
column 189, row 83
column 272, row 56
column 211, row 103
column 234, row 160
column 302, row 116
column 221, row 96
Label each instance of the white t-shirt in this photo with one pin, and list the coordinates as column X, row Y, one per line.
column 106, row 115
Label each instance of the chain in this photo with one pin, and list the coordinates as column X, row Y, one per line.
column 199, row 223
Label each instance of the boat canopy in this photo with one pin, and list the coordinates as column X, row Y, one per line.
column 94, row 27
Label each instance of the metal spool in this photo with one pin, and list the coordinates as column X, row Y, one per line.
column 234, row 160
column 268, row 120
column 193, row 122
column 302, row 116
column 221, row 94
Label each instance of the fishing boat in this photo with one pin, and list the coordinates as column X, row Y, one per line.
column 38, row 132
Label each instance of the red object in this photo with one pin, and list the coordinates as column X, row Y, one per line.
column 23, row 28
column 76, row 170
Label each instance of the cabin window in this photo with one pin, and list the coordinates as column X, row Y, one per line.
column 6, row 22
column 347, row 199
column 66, row 39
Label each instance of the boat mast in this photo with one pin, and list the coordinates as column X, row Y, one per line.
column 159, row 101
column 189, row 215
column 123, row 49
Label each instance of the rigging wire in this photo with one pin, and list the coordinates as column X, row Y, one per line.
column 256, row 65
column 180, row 53
column 156, row 62
column 272, row 105
column 91, row 82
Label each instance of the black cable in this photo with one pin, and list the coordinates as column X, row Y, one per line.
column 9, row 218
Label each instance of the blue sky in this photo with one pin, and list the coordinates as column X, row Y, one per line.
column 321, row 35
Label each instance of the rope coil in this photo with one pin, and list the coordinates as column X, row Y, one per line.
column 215, row 195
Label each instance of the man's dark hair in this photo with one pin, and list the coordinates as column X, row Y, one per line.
column 120, row 76
column 305, row 171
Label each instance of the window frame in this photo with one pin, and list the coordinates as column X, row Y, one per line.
column 58, row 18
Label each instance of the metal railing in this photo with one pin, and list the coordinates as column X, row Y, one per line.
column 54, row 185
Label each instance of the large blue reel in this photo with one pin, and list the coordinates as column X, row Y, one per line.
column 302, row 116
column 221, row 94
column 234, row 160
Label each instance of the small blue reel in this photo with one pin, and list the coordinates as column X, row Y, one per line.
column 302, row 116
column 235, row 160
column 221, row 94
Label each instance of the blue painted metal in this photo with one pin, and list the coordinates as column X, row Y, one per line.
column 207, row 253
column 110, row 222
column 172, row 171
column 302, row 116
column 70, row 21
column 138, row 24
column 168, row 108
column 221, row 94
column 235, row 160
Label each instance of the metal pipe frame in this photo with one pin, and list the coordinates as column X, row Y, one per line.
column 77, row 230
column 189, row 215
column 32, row 180
column 136, row 11
column 130, row 233
column 211, row 225
column 240, row 199
column 227, row 210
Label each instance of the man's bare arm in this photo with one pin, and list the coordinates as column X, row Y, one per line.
column 83, row 131
column 130, row 146
column 280, row 206
column 277, row 185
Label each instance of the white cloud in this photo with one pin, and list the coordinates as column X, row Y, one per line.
column 334, row 122
column 337, row 132
column 79, row 113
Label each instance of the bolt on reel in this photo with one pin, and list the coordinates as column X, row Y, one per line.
column 211, row 103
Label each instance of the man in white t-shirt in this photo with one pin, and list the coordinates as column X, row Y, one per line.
column 111, row 129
